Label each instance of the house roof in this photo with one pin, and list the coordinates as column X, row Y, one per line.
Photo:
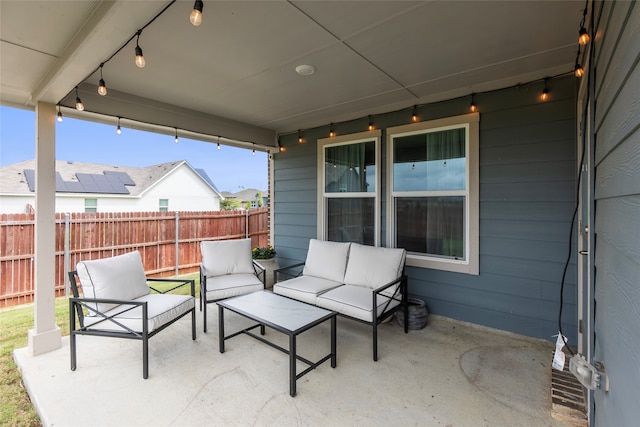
column 244, row 195
column 92, row 178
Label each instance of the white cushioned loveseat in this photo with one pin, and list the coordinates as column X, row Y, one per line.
column 117, row 301
column 364, row 283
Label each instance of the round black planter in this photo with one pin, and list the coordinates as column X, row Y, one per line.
column 417, row 314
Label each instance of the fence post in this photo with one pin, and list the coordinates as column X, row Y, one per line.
column 246, row 224
column 67, row 253
column 177, row 243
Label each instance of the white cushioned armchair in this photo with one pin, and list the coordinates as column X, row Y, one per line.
column 117, row 301
column 227, row 270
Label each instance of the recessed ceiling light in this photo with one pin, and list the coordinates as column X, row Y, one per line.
column 305, row 70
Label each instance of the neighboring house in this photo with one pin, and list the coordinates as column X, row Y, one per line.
column 250, row 195
column 89, row 187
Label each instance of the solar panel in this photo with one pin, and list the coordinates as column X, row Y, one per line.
column 30, row 175
column 123, row 177
column 88, row 184
column 107, row 183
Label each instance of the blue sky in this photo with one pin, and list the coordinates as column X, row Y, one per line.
column 231, row 169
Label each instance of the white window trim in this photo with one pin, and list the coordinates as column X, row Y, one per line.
column 353, row 138
column 471, row 265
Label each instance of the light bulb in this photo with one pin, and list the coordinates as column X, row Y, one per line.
column 414, row 118
column 102, row 88
column 79, row 104
column 473, row 108
column 545, row 94
column 196, row 13
column 140, row 62
column 332, row 133
column 59, row 117
column 218, row 145
column 253, row 153
column 579, row 71
column 583, row 36
column 118, row 130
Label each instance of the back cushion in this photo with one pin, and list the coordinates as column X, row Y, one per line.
column 326, row 260
column 118, row 277
column 372, row 266
column 227, row 257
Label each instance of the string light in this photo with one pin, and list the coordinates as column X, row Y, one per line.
column 176, row 139
column 118, row 129
column 371, row 127
column 300, row 140
column 59, row 114
column 332, row 133
column 473, row 108
column 218, row 143
column 414, row 116
column 253, row 152
column 583, row 36
column 140, row 62
column 579, row 71
column 196, row 13
column 102, row 88
column 79, row 104
column 545, row 92
column 282, row 149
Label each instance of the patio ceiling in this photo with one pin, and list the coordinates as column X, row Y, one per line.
column 234, row 75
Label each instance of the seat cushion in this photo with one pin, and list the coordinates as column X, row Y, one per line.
column 304, row 288
column 226, row 257
column 161, row 309
column 354, row 301
column 231, row 285
column 373, row 267
column 327, row 260
column 119, row 277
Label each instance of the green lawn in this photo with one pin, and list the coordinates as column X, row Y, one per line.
column 15, row 406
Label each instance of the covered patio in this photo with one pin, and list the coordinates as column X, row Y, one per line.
column 448, row 374
column 555, row 142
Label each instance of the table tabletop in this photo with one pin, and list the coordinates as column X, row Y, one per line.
column 277, row 311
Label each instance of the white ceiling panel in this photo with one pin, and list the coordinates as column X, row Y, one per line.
column 238, row 66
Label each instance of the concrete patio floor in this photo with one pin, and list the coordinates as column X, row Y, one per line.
column 448, row 374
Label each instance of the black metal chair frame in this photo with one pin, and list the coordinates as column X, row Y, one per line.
column 258, row 270
column 402, row 299
column 78, row 304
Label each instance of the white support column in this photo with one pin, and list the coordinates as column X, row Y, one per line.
column 46, row 335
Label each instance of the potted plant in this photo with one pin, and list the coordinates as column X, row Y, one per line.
column 265, row 256
column 266, row 252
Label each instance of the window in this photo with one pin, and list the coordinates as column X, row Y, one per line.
column 163, row 205
column 433, row 193
column 91, row 205
column 349, row 188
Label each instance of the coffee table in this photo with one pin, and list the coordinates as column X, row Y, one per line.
column 286, row 315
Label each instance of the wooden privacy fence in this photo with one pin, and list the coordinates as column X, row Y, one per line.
column 169, row 242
